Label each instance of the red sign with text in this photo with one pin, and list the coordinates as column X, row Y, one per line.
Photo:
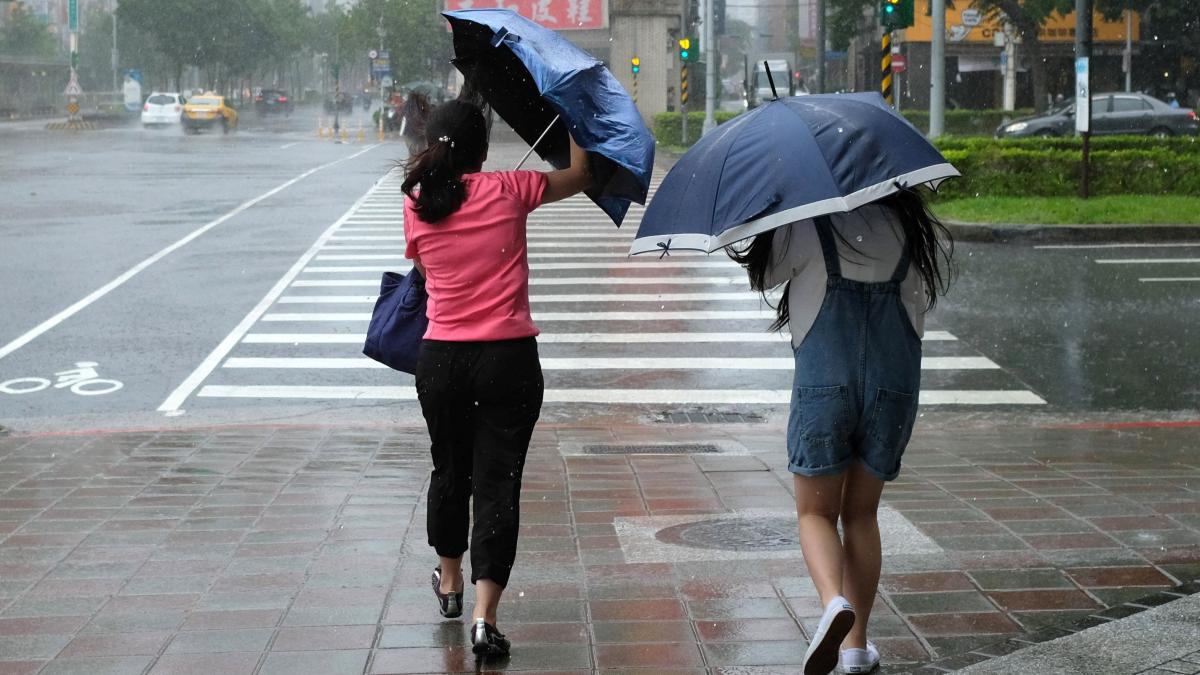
column 553, row 14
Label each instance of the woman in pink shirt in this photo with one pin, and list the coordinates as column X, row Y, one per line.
column 479, row 380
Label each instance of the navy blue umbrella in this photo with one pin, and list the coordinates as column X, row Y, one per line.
column 788, row 160
column 541, row 85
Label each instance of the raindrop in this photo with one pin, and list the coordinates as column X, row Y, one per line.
column 858, row 238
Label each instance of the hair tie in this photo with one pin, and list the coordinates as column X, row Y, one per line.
column 446, row 139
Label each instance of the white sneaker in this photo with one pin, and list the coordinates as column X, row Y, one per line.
column 822, row 655
column 859, row 660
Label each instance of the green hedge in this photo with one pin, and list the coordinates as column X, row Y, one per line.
column 966, row 122
column 1178, row 144
column 668, row 127
column 1001, row 170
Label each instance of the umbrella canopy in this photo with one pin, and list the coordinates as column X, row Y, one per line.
column 530, row 75
column 790, row 159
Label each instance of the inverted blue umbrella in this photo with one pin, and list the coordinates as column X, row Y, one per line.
column 788, row 160
column 541, row 85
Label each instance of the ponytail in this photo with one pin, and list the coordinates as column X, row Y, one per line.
column 456, row 143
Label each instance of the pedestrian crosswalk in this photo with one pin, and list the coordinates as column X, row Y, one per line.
column 678, row 331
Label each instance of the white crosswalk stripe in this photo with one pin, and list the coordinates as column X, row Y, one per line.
column 678, row 331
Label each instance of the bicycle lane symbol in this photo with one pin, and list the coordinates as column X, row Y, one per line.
column 83, row 380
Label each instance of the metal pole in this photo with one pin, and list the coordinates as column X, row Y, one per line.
column 116, row 57
column 710, row 69
column 937, row 71
column 885, row 68
column 1083, row 55
column 382, row 91
column 820, row 40
column 1128, row 60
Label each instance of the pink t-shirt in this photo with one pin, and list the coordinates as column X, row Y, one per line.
column 477, row 272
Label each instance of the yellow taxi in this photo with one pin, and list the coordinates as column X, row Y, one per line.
column 207, row 110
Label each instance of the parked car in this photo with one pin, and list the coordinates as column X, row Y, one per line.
column 342, row 102
column 1112, row 113
column 272, row 101
column 207, row 110
column 162, row 107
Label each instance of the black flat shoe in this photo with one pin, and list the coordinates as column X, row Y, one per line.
column 450, row 604
column 487, row 641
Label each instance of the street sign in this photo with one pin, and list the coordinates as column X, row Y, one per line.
column 72, row 108
column 1083, row 99
column 972, row 17
column 72, row 14
column 387, row 81
column 381, row 65
column 372, row 54
column 899, row 63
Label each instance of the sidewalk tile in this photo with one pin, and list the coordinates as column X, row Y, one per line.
column 349, row 662
column 31, row 647
column 990, row 580
column 648, row 655
column 757, row 653
column 940, row 603
column 116, row 644
column 245, row 618
column 749, row 608
column 1118, row 577
column 217, row 641
column 1042, row 599
column 610, row 632
column 750, row 629
column 234, row 663
column 110, row 665
column 636, row 610
column 421, row 660
column 20, row 667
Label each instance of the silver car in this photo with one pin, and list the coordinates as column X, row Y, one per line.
column 1112, row 113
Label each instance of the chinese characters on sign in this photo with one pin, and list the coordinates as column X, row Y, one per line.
column 553, row 14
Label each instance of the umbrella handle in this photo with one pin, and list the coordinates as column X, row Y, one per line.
column 535, row 143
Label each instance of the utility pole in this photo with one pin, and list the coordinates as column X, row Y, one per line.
column 1083, row 96
column 1127, row 61
column 116, row 57
column 382, row 93
column 710, row 69
column 937, row 71
column 820, row 40
column 1009, row 61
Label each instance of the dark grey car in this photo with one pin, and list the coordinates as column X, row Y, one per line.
column 1114, row 113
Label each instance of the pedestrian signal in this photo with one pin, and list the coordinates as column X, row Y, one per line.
column 635, row 65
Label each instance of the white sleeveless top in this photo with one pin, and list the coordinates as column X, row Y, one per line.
column 878, row 236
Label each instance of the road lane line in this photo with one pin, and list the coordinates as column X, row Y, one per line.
column 285, row 146
column 584, row 298
column 694, row 315
column 552, row 281
column 176, row 399
column 1168, row 279
column 1181, row 244
column 601, row 363
column 1149, row 261
column 570, row 338
column 104, row 290
column 539, row 266
column 612, row 396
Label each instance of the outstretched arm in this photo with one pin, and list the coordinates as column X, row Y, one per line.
column 571, row 180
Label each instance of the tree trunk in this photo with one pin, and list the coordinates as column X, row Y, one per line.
column 1033, row 47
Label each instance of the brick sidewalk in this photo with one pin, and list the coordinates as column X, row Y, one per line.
column 301, row 550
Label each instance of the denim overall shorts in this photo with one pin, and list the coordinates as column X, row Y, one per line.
column 858, row 375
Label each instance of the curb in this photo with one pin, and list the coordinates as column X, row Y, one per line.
column 1019, row 642
column 1013, row 233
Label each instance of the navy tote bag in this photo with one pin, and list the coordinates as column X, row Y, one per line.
column 398, row 322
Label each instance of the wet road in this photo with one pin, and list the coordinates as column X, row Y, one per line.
column 259, row 315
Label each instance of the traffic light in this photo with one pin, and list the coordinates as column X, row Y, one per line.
column 685, row 49
column 635, row 65
column 896, row 14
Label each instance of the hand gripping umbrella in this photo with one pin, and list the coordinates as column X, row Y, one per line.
column 541, row 85
column 788, row 160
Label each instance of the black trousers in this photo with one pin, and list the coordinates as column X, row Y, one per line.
column 480, row 401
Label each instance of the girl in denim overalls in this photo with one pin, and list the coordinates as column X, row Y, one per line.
column 858, row 286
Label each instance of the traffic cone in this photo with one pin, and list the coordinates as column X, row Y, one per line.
column 320, row 127
column 361, row 136
column 345, row 135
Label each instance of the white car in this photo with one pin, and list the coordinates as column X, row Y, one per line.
column 162, row 108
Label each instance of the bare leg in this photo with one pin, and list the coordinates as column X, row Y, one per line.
column 818, row 502
column 487, row 599
column 452, row 578
column 860, row 532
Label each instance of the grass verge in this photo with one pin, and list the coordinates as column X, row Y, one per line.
column 1113, row 210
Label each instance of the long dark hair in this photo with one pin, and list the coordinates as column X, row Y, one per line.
column 456, row 137
column 930, row 249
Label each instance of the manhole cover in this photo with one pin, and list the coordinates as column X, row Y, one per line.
column 652, row 449
column 735, row 534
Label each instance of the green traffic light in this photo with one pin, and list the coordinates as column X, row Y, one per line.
column 683, row 55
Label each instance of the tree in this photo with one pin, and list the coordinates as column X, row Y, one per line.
column 24, row 35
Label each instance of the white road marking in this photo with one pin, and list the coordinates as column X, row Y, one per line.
column 1168, row 279
column 539, row 266
column 1149, row 261
column 664, row 315
column 285, row 146
column 611, row 396
column 1181, row 244
column 107, row 288
column 582, row 298
column 604, row 363
column 573, row 338
column 553, row 281
column 176, row 399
